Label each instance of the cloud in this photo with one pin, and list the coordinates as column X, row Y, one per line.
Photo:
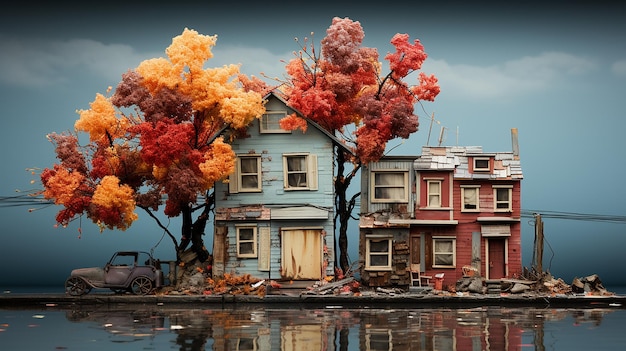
column 509, row 79
column 38, row 63
column 619, row 68
column 254, row 61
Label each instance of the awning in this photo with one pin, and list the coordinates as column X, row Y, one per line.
column 488, row 230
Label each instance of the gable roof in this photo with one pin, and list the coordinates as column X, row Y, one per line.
column 336, row 141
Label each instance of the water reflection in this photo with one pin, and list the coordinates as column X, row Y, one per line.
column 332, row 328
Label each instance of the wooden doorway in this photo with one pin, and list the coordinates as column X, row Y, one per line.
column 496, row 257
column 301, row 254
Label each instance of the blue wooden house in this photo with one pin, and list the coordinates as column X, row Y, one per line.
column 274, row 216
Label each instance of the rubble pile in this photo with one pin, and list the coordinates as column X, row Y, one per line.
column 590, row 285
column 557, row 286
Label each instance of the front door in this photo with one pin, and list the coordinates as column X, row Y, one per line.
column 497, row 258
column 301, row 256
column 416, row 247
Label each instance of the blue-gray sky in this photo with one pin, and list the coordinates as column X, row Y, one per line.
column 555, row 71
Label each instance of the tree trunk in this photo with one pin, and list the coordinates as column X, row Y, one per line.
column 343, row 208
column 192, row 232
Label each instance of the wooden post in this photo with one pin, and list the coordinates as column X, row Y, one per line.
column 539, row 243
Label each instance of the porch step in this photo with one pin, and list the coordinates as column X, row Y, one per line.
column 494, row 286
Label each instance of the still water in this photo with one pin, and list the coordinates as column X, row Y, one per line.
column 325, row 328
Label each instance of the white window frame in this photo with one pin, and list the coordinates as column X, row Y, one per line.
column 238, row 230
column 429, row 194
column 270, row 122
column 465, row 188
column 368, row 253
column 236, row 179
column 436, row 253
column 481, row 169
column 404, row 186
column 509, row 203
column 310, row 162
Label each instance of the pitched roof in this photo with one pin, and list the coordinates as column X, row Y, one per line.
column 457, row 158
column 338, row 142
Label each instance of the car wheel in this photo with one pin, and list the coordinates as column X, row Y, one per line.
column 76, row 286
column 141, row 286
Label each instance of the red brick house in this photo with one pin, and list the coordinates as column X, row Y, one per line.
column 450, row 209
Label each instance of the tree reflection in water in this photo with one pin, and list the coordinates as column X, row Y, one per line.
column 334, row 328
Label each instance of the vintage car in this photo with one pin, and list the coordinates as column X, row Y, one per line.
column 127, row 271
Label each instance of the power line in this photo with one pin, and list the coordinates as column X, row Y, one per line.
column 587, row 217
column 26, row 199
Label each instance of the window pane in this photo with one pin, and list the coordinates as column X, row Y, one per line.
column 246, row 248
column 444, row 260
column 297, row 171
column 296, row 163
column 470, row 198
column 248, row 165
column 434, row 194
column 379, row 246
column 443, row 246
column 379, row 260
column 502, row 194
column 246, row 234
column 481, row 164
column 389, row 178
column 433, row 201
column 389, row 193
column 250, row 182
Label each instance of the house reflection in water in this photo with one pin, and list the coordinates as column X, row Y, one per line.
column 328, row 328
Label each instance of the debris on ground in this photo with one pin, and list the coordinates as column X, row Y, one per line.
column 590, row 285
column 343, row 286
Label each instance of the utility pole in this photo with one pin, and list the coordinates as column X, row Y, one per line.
column 538, row 243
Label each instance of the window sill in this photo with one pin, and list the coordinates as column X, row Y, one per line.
column 436, row 208
column 378, row 269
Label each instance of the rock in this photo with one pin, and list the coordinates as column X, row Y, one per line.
column 519, row 288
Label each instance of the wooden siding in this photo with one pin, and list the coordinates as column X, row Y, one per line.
column 292, row 208
column 402, row 163
column 454, row 167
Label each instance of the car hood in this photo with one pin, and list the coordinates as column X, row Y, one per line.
column 91, row 274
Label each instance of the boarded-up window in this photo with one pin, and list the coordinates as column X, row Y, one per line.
column 301, row 257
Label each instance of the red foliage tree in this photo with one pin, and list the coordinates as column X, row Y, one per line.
column 157, row 140
column 343, row 87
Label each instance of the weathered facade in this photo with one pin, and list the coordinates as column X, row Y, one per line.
column 274, row 216
column 451, row 209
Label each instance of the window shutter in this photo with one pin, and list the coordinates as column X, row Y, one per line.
column 312, row 171
column 233, row 179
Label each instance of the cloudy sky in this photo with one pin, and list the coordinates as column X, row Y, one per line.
column 555, row 72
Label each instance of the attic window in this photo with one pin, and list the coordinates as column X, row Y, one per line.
column 481, row 164
column 270, row 122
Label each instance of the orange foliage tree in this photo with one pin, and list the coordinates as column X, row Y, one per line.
column 160, row 140
column 343, row 89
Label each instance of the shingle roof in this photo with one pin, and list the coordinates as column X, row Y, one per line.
column 456, row 158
